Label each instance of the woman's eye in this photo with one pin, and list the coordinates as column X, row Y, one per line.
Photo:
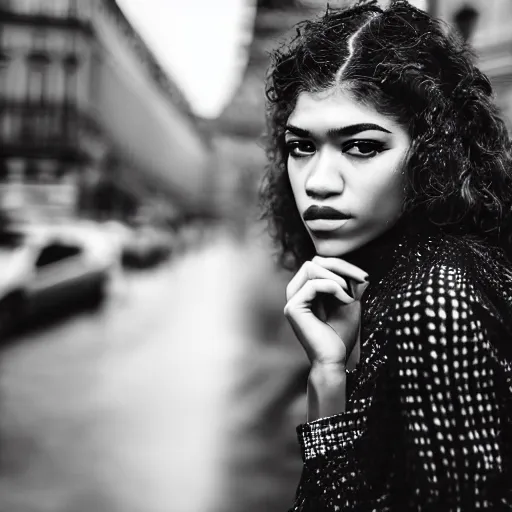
column 300, row 148
column 363, row 148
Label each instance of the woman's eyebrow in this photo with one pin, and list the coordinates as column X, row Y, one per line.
column 337, row 132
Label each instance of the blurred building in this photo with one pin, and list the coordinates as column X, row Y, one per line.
column 486, row 25
column 90, row 124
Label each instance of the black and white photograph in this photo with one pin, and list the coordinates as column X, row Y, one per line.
column 255, row 255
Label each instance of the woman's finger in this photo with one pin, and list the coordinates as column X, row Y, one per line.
column 309, row 291
column 342, row 268
column 310, row 270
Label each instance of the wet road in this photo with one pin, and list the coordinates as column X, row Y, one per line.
column 171, row 397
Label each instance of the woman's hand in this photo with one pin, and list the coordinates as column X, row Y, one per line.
column 323, row 309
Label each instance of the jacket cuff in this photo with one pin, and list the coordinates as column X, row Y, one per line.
column 328, row 436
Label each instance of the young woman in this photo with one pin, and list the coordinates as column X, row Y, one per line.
column 389, row 192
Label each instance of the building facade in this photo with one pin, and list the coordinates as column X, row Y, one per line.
column 487, row 27
column 90, row 125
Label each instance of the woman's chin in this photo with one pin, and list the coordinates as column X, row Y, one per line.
column 335, row 248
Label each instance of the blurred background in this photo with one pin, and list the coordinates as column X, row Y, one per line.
column 145, row 364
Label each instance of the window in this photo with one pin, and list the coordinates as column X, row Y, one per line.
column 38, row 68
column 70, row 78
column 37, row 84
column 4, row 58
column 465, row 20
column 55, row 253
column 4, row 71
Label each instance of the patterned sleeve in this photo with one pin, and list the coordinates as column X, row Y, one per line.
column 450, row 389
column 332, row 478
column 432, row 437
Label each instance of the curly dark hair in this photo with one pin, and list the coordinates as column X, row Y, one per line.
column 409, row 66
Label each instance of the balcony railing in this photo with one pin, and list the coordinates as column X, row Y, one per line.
column 48, row 128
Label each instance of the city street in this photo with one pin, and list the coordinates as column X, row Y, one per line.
column 156, row 401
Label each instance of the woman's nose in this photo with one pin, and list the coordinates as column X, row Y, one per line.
column 325, row 177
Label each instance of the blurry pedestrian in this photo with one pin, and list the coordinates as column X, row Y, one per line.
column 389, row 193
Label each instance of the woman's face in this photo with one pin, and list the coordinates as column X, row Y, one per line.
column 345, row 164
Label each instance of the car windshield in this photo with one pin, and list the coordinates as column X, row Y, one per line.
column 10, row 240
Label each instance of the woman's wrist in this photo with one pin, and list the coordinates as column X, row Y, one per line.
column 326, row 370
column 326, row 390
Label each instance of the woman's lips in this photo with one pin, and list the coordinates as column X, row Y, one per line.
column 326, row 224
column 316, row 211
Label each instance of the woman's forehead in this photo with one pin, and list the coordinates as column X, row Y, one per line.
column 334, row 108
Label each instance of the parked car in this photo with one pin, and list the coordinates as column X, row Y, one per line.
column 43, row 270
column 147, row 247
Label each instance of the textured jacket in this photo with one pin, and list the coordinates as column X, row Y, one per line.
column 428, row 419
